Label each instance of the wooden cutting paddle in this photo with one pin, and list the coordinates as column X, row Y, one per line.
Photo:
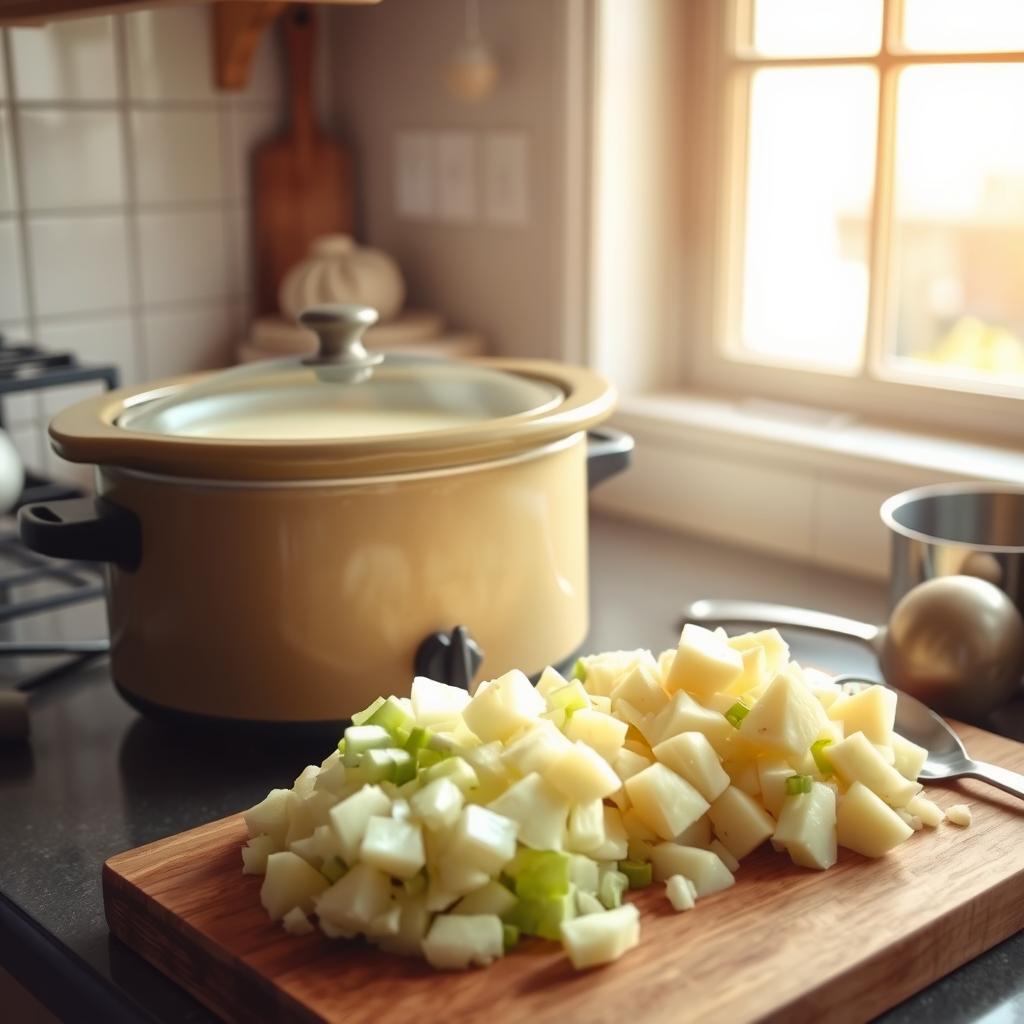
column 303, row 182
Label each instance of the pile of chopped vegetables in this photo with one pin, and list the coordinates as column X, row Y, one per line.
column 447, row 826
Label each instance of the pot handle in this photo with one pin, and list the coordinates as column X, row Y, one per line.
column 609, row 451
column 86, row 529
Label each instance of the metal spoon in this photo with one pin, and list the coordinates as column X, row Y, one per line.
column 956, row 642
column 947, row 757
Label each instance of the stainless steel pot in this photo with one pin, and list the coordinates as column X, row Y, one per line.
column 961, row 529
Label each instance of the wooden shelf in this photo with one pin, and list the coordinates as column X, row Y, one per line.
column 238, row 25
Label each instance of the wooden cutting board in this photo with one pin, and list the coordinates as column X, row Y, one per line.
column 782, row 944
column 302, row 181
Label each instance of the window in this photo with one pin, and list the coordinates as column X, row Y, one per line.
column 865, row 206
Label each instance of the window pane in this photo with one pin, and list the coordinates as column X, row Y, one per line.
column 823, row 28
column 959, row 220
column 969, row 25
column 811, row 160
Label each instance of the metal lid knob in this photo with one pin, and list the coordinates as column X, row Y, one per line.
column 339, row 329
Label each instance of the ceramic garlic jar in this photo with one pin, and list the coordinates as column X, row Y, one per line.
column 338, row 270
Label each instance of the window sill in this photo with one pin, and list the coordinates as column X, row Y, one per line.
column 796, row 481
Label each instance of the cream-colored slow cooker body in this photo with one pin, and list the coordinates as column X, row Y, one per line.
column 302, row 601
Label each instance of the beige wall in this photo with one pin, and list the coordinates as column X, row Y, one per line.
column 503, row 280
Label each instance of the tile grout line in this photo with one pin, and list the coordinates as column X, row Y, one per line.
column 131, row 207
column 21, row 207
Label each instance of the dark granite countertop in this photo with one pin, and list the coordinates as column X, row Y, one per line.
column 97, row 779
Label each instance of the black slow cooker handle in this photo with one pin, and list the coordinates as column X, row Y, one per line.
column 609, row 451
column 85, row 529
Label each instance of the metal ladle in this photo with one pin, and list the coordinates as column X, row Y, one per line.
column 954, row 642
column 947, row 757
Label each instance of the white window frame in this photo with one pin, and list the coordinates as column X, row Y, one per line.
column 716, row 188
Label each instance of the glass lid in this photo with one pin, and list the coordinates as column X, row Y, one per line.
column 342, row 392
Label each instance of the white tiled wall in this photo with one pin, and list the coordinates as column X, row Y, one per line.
column 124, row 209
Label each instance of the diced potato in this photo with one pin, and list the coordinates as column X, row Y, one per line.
column 911, row 819
column 807, row 827
column 305, row 781
column 436, row 704
column 588, row 903
column 412, row 927
column 570, row 698
column 393, row 846
column 697, row 834
column 743, row 775
column 959, row 814
column 772, row 775
column 359, row 896
column 584, row 873
column 456, row 942
column 437, row 804
column 603, row 671
column 866, row 824
column 872, row 711
column 550, row 680
column 482, row 840
column 856, row 760
column 536, row 749
column 600, row 731
column 704, row 868
column 601, row 938
column 492, row 898
column 908, row 757
column 722, row 852
column 385, row 925
column 754, row 675
column 289, row 882
column 452, row 876
column 348, row 818
column 507, row 704
column 641, row 687
column 627, row 763
column 296, row 923
column 582, row 774
column 666, row 803
column 691, row 756
column 704, row 663
column 255, row 854
column 616, row 842
column 665, row 660
column 886, row 753
column 740, row 822
column 635, row 827
column 776, row 650
column 684, row 714
column 586, row 826
column 786, row 718
column 681, row 893
column 540, row 811
column 931, row 814
column 270, row 816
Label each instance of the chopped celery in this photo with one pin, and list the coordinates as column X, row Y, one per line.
column 539, row 874
column 569, row 698
column 458, row 769
column 333, row 869
column 418, row 739
column 735, row 715
column 542, row 917
column 373, row 766
column 579, row 670
column 341, row 745
column 361, row 738
column 393, row 717
column 797, row 784
column 638, row 874
column 361, row 716
column 427, row 758
column 509, row 936
column 404, row 767
column 820, row 757
column 613, row 884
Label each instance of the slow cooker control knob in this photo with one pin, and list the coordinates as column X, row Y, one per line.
column 451, row 658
